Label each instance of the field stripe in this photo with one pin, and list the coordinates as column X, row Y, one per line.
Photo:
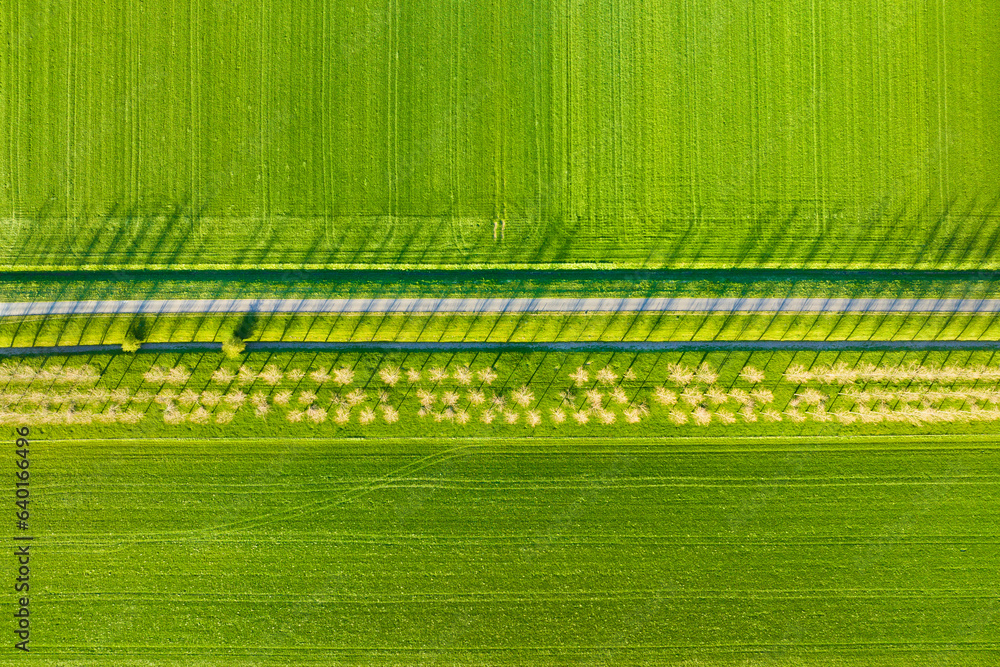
column 475, row 305
column 500, row 347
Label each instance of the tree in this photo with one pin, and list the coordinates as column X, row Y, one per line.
column 138, row 332
column 131, row 344
column 233, row 347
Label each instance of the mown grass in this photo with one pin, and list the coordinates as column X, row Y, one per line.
column 281, row 551
column 517, row 327
column 404, row 135
column 111, row 285
column 423, row 407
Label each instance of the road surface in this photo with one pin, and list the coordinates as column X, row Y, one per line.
column 505, row 305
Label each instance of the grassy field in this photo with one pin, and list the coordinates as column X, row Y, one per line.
column 594, row 395
column 529, row 328
column 724, row 509
column 85, row 286
column 617, row 133
column 416, row 551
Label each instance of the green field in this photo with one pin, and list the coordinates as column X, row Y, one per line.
column 711, row 552
column 593, row 396
column 539, row 505
column 44, row 331
column 615, row 133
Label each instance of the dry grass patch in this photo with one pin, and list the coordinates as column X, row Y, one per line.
column 523, row 396
column 223, row 376
column 320, row 375
column 463, row 375
column 343, row 376
column 390, row 376
column 317, row 415
column 606, row 376
column 678, row 417
column 664, row 396
column 618, row 395
column 246, row 375
column 390, row 414
column 272, row 375
column 486, row 375
column 579, row 377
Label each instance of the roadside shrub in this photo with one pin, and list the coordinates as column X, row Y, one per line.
column 131, row 344
column 233, row 347
column 138, row 332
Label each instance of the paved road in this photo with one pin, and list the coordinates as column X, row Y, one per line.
column 504, row 305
